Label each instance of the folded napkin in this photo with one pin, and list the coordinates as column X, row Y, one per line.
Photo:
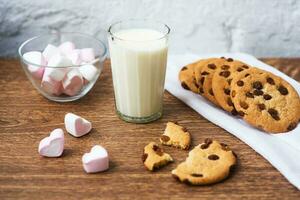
column 281, row 150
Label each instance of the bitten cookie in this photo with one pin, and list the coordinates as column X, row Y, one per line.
column 154, row 157
column 266, row 101
column 187, row 78
column 221, row 83
column 176, row 136
column 209, row 162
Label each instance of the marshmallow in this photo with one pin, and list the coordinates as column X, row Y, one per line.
column 52, row 146
column 96, row 160
column 51, row 86
column 75, row 57
column 58, row 60
column 87, row 54
column 89, row 72
column 76, row 125
column 73, row 82
column 36, row 57
column 50, row 51
column 67, row 47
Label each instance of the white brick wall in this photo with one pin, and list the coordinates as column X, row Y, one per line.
column 258, row 27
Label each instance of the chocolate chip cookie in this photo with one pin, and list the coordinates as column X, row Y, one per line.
column 154, row 157
column 266, row 101
column 187, row 77
column 221, row 83
column 208, row 163
column 176, row 136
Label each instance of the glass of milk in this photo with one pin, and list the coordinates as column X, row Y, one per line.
column 138, row 52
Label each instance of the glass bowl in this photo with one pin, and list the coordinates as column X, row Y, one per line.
column 63, row 88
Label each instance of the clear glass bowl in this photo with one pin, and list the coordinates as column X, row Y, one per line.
column 81, row 41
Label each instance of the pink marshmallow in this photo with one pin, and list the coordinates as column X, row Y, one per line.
column 72, row 82
column 67, row 47
column 76, row 125
column 37, row 58
column 53, row 145
column 75, row 57
column 51, row 86
column 96, row 160
column 87, row 54
column 50, row 51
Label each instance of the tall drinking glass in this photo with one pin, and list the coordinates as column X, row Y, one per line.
column 138, row 51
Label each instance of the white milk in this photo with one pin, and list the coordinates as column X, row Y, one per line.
column 138, row 58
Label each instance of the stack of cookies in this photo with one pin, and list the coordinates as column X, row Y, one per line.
column 261, row 98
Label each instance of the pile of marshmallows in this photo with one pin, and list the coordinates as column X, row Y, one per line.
column 57, row 79
column 53, row 146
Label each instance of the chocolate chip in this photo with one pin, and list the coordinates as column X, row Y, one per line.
column 176, row 177
column 206, row 144
column 267, row 97
column 233, row 93
column 212, row 66
column 258, row 92
column 283, row 90
column 184, row 68
column 241, row 113
column 225, row 147
column 176, row 122
column 213, row 157
column 229, row 81
column 165, row 138
column 225, row 73
column 184, row 129
column 245, row 67
column 229, row 101
column 244, row 105
column 196, row 84
column 211, row 92
column 201, row 90
column 249, row 95
column 273, row 113
column 270, row 81
column 229, row 59
column 257, row 85
column 197, row 175
column 292, row 126
column 184, row 85
column 261, row 106
column 202, row 80
column 227, row 91
column 158, row 150
column 246, row 75
column 222, row 57
column 234, row 112
column 204, row 73
column 225, row 67
column 239, row 69
column 240, row 83
column 144, row 157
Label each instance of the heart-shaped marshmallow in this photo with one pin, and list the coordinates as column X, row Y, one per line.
column 51, row 86
column 52, row 146
column 37, row 58
column 67, row 47
column 73, row 82
column 96, row 160
column 50, row 51
column 89, row 72
column 87, row 54
column 76, row 125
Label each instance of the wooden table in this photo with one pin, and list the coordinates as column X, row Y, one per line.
column 26, row 117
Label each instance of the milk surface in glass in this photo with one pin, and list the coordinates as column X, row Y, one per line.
column 138, row 59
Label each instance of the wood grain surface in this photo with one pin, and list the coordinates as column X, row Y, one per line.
column 26, row 117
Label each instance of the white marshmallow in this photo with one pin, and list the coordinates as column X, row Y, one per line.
column 59, row 60
column 76, row 125
column 52, row 146
column 50, row 51
column 51, row 86
column 35, row 57
column 73, row 82
column 87, row 54
column 67, row 47
column 89, row 72
column 96, row 160
column 75, row 57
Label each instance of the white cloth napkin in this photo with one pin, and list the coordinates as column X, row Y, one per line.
column 281, row 150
